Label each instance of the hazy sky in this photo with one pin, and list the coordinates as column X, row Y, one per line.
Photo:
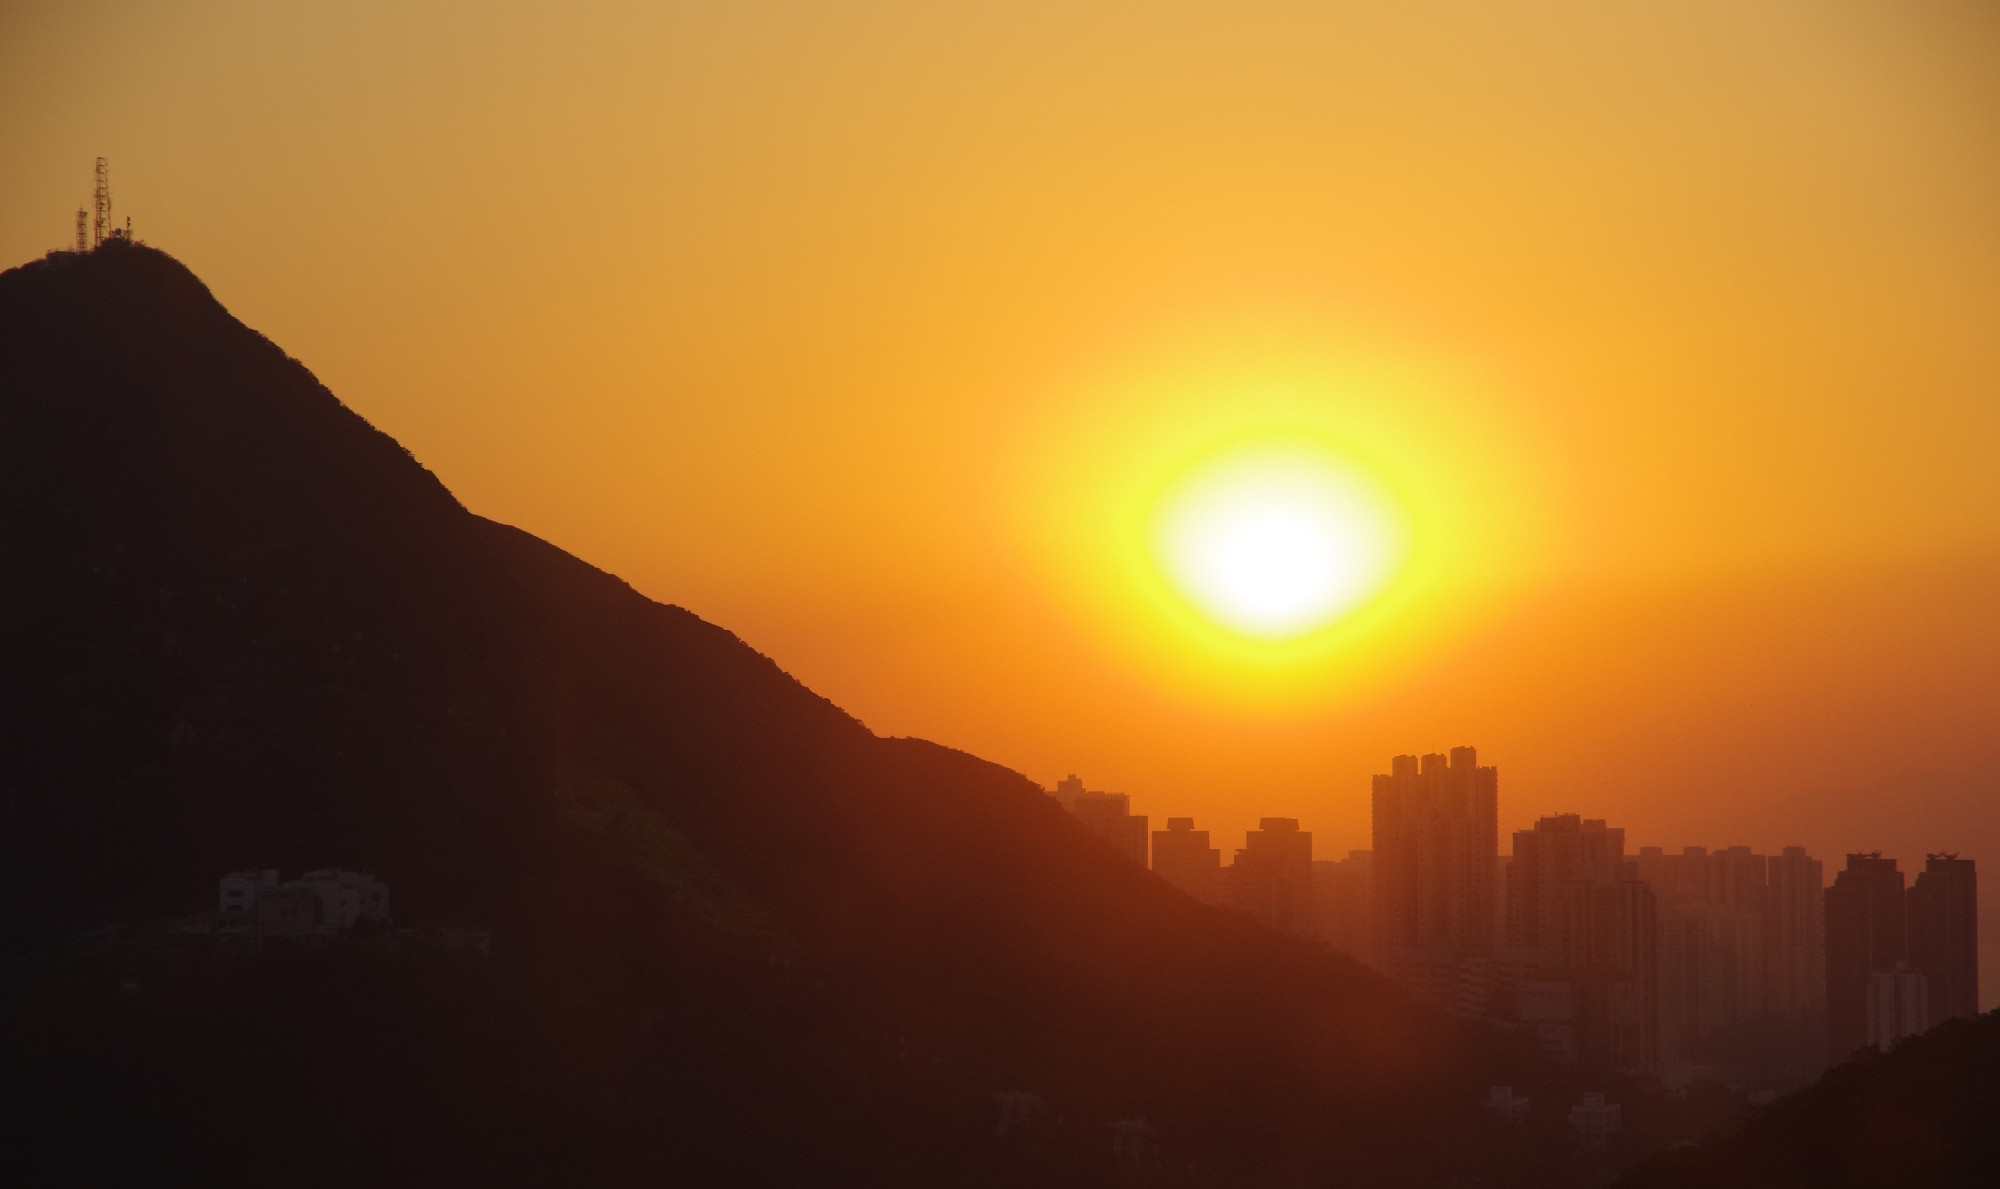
column 862, row 328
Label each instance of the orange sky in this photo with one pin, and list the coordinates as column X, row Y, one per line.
column 857, row 327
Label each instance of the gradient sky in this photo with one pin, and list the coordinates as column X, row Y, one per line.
column 859, row 328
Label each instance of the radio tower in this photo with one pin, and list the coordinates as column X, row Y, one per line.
column 102, row 227
column 82, row 230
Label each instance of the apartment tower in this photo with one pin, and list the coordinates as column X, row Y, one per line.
column 1435, row 871
column 1582, row 918
column 1183, row 857
column 1942, row 919
column 1271, row 879
column 1865, row 936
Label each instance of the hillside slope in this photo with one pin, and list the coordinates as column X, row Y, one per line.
column 1925, row 1115
column 740, row 939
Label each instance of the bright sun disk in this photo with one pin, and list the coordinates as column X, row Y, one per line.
column 1276, row 541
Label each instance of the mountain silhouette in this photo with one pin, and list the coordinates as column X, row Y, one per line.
column 1926, row 1113
column 737, row 938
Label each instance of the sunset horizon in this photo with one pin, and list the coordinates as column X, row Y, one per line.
column 1271, row 419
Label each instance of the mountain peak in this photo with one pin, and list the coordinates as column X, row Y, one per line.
column 733, row 930
column 127, row 334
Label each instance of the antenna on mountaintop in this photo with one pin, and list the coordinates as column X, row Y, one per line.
column 102, row 227
column 82, row 230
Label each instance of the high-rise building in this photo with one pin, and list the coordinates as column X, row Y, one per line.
column 1740, row 941
column 1711, row 974
column 1107, row 815
column 1183, row 857
column 1795, row 936
column 1942, row 919
column 1343, row 904
column 1560, row 853
column 1271, row 879
column 1578, row 913
column 1898, row 1005
column 1435, row 862
column 1864, row 937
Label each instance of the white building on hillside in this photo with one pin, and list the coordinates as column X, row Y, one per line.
column 326, row 901
column 1595, row 1121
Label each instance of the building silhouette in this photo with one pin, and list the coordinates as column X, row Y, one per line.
column 1795, row 936
column 1865, row 936
column 1505, row 1105
column 1183, row 857
column 1550, row 861
column 1711, row 975
column 1107, row 815
column 1579, row 915
column 1436, row 841
column 1271, row 879
column 1898, row 1005
column 1941, row 914
column 1344, row 904
column 1740, row 941
column 1595, row 1121
column 318, row 902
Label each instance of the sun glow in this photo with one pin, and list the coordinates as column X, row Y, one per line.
column 1274, row 541
column 1273, row 514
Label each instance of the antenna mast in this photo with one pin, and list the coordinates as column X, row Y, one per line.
column 102, row 227
column 82, row 230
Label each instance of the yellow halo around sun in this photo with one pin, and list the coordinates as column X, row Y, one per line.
column 1276, row 540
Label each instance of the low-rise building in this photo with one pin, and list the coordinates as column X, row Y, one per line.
column 1595, row 1121
column 240, row 892
column 1505, row 1105
column 326, row 901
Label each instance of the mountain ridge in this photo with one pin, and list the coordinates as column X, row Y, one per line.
column 739, row 937
column 1925, row 1113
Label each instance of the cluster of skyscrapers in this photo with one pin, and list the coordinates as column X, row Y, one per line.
column 1648, row 961
column 1899, row 960
column 1270, row 880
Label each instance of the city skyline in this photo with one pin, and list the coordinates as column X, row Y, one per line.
column 1676, row 394
column 1163, row 594
column 1960, row 828
column 1719, row 938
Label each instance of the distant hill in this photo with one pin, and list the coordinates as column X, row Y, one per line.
column 738, row 938
column 1925, row 1115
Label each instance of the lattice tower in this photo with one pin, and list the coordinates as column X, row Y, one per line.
column 102, row 227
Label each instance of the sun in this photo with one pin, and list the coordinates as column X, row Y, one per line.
column 1275, row 540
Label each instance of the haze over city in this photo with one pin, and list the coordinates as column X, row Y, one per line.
column 1212, row 404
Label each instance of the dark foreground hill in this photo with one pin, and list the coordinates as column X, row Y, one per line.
column 738, row 938
column 1925, row 1115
